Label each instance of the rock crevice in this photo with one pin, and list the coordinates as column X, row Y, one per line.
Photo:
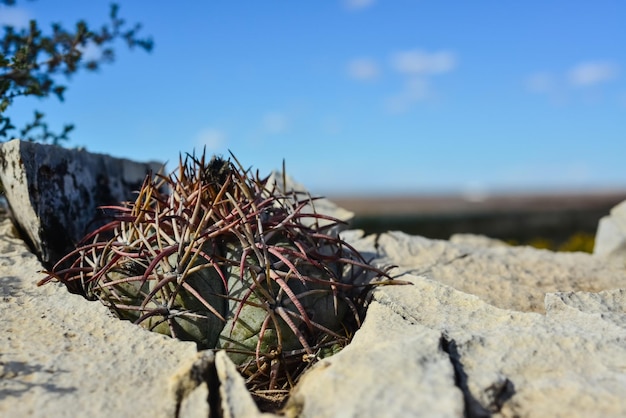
column 472, row 408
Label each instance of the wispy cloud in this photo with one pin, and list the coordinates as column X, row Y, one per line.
column 14, row 16
column 418, row 67
column 561, row 88
column 416, row 89
column 354, row 5
column 275, row 123
column 592, row 73
column 363, row 69
column 211, row 138
column 418, row 62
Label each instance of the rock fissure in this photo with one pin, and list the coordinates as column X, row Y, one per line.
column 399, row 310
column 499, row 393
column 473, row 408
column 202, row 371
column 429, row 269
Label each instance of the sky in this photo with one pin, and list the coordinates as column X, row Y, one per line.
column 360, row 97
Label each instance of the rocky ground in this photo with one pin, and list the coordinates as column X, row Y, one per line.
column 482, row 329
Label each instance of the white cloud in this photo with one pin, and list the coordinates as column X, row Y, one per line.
column 358, row 4
column 591, row 73
column 14, row 16
column 577, row 83
column 212, row 139
column 275, row 123
column 415, row 90
column 417, row 62
column 364, row 69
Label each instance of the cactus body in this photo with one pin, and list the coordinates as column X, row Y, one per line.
column 231, row 262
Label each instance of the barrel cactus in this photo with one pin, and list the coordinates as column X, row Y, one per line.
column 214, row 254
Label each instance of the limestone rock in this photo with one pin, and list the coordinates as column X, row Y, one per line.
column 54, row 192
column 474, row 240
column 608, row 304
column 484, row 329
column 61, row 355
column 195, row 404
column 507, row 277
column 236, row 401
column 430, row 350
column 611, row 235
column 394, row 367
column 190, row 386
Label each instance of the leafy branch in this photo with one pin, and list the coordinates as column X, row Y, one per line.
column 32, row 63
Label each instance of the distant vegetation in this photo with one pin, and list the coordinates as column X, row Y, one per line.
column 571, row 232
column 579, row 241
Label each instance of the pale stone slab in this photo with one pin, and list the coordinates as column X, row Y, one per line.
column 484, row 330
column 611, row 235
column 394, row 367
column 568, row 363
column 236, row 400
column 63, row 356
column 474, row 240
column 507, row 277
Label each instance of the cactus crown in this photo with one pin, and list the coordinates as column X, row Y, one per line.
column 215, row 255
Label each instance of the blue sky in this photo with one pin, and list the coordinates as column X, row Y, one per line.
column 362, row 96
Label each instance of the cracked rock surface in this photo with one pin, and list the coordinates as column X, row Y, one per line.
column 63, row 356
column 515, row 278
column 432, row 350
column 484, row 330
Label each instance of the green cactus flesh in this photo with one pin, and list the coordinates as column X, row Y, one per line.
column 230, row 263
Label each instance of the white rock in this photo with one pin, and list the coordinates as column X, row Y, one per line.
column 393, row 368
column 62, row 355
column 195, row 404
column 611, row 235
column 507, row 277
column 608, row 304
column 236, row 400
column 483, row 330
column 568, row 363
column 473, row 240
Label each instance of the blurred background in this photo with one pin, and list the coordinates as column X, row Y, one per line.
column 433, row 117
